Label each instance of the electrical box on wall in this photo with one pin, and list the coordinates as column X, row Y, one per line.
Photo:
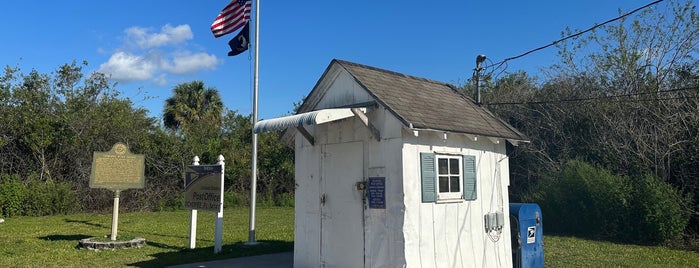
column 527, row 235
column 494, row 221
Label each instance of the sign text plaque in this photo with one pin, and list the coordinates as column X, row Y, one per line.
column 377, row 192
column 117, row 169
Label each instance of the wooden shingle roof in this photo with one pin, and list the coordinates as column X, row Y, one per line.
column 426, row 104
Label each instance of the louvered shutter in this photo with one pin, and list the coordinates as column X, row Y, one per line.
column 428, row 177
column 470, row 190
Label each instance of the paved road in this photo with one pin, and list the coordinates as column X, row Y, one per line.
column 278, row 260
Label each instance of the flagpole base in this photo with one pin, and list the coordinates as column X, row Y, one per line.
column 251, row 239
column 252, row 244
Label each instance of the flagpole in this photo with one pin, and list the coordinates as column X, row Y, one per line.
column 253, row 183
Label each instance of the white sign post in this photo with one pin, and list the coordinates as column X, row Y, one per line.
column 115, row 215
column 204, row 191
column 193, row 216
column 218, row 234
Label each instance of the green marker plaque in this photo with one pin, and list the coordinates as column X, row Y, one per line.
column 117, row 169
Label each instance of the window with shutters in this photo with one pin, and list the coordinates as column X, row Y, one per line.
column 447, row 177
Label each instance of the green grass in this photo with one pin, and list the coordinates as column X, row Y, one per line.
column 575, row 252
column 51, row 241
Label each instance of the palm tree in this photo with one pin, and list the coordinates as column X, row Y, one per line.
column 194, row 110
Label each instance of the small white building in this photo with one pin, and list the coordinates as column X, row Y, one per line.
column 394, row 170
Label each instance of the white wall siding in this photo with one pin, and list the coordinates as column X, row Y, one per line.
column 384, row 227
column 453, row 234
column 343, row 91
column 307, row 205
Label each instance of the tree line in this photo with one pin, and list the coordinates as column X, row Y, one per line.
column 614, row 129
column 52, row 123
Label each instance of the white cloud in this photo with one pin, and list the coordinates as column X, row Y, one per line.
column 124, row 66
column 160, row 80
column 185, row 63
column 168, row 35
column 146, row 55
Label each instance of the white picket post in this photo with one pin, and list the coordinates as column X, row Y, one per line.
column 193, row 217
column 218, row 235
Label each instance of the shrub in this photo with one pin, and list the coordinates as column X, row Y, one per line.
column 49, row 198
column 584, row 200
column 285, row 200
column 265, row 200
column 659, row 211
column 171, row 203
column 591, row 202
column 37, row 202
column 64, row 199
column 235, row 199
column 36, row 199
column 12, row 195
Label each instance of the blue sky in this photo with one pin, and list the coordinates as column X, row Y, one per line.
column 150, row 46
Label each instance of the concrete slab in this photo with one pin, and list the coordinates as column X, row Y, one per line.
column 277, row 260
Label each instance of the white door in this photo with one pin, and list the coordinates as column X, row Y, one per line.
column 342, row 209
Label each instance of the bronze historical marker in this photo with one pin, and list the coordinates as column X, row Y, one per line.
column 117, row 169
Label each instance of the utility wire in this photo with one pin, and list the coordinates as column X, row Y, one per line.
column 602, row 97
column 659, row 99
column 572, row 36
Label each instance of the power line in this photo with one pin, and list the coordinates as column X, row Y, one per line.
column 603, row 97
column 573, row 35
column 659, row 99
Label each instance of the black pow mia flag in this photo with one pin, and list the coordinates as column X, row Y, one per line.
column 240, row 42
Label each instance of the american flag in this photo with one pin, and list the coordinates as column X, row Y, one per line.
column 232, row 17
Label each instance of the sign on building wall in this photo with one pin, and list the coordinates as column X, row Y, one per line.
column 117, row 169
column 202, row 186
column 377, row 192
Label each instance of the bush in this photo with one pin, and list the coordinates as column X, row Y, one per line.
column 285, row 200
column 659, row 210
column 583, row 200
column 171, row 203
column 591, row 202
column 36, row 199
column 12, row 195
column 235, row 199
column 265, row 200
column 49, row 198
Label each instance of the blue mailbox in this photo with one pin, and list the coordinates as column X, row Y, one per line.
column 527, row 235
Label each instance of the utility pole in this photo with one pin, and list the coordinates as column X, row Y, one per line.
column 479, row 61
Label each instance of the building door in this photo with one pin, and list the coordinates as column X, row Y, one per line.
column 341, row 209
